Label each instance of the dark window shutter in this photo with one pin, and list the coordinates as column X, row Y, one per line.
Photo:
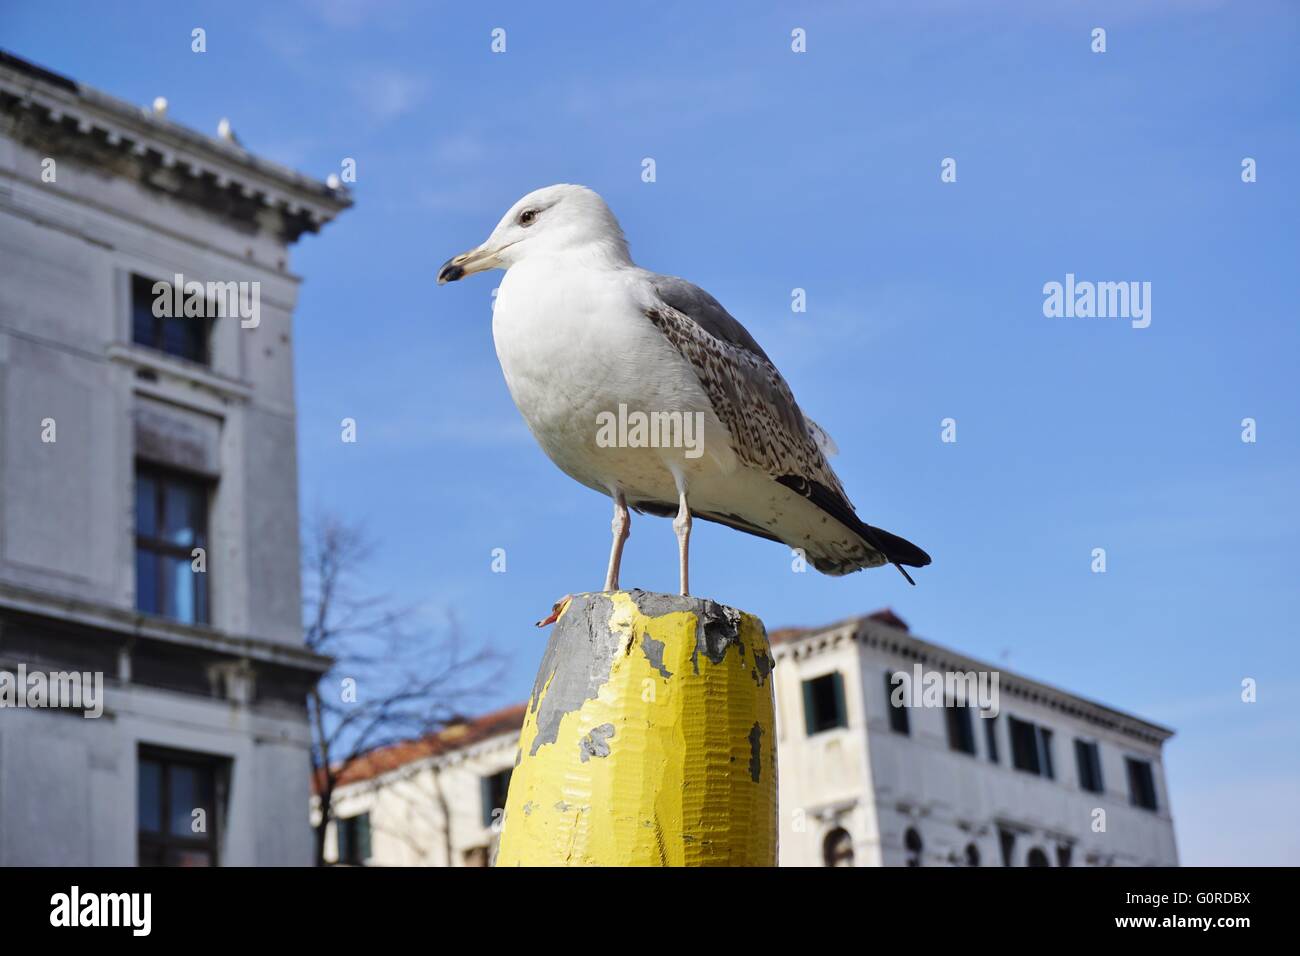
column 485, row 788
column 1088, row 755
column 961, row 736
column 898, row 719
column 343, row 831
column 809, row 708
column 841, row 709
column 363, row 838
column 1024, row 745
column 1142, row 784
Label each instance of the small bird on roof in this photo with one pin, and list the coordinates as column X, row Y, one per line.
column 643, row 387
column 226, row 131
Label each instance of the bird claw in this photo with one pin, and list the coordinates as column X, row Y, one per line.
column 557, row 609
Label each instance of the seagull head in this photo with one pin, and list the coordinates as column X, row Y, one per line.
column 549, row 221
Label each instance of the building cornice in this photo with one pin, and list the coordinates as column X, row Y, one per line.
column 52, row 112
column 191, row 374
column 132, row 624
column 873, row 633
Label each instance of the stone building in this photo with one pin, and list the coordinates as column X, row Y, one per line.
column 148, row 487
column 1047, row 779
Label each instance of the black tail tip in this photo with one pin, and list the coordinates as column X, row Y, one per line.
column 898, row 550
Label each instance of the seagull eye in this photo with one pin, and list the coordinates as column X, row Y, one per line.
column 527, row 217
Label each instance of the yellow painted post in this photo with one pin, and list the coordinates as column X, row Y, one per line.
column 649, row 739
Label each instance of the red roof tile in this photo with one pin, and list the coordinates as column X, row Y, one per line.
column 886, row 615
column 453, row 737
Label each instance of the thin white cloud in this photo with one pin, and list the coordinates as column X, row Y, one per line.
column 350, row 14
column 459, row 149
column 388, row 92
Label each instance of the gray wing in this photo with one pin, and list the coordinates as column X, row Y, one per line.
column 706, row 311
column 748, row 394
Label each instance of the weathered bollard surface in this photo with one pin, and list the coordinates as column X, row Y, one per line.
column 648, row 741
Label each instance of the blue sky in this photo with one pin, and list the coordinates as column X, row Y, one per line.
column 820, row 171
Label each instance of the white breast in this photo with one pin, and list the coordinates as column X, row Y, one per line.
column 573, row 344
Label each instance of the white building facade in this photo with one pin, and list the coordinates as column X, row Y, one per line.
column 1051, row 780
column 148, row 488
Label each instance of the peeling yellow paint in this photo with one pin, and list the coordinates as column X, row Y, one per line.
column 654, row 770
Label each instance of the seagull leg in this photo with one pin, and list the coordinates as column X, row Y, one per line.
column 682, row 526
column 622, row 528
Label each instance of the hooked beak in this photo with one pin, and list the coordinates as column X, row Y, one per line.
column 467, row 263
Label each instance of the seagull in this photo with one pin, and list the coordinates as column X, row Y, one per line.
column 227, row 132
column 643, row 387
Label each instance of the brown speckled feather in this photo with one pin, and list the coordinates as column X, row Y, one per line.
column 768, row 430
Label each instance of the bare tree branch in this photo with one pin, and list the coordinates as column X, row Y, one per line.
column 388, row 683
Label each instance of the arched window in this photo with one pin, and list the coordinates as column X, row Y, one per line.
column 912, row 841
column 1036, row 857
column 837, row 848
column 972, row 855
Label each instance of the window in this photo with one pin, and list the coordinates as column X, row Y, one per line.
column 171, row 520
column 495, row 789
column 179, row 806
column 991, row 736
column 961, row 734
column 354, row 839
column 898, row 717
column 1031, row 748
column 1141, row 784
column 837, row 848
column 180, row 335
column 823, row 703
column 1036, row 857
column 912, row 843
column 1024, row 746
column 1088, row 757
column 972, row 855
column 1063, row 854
